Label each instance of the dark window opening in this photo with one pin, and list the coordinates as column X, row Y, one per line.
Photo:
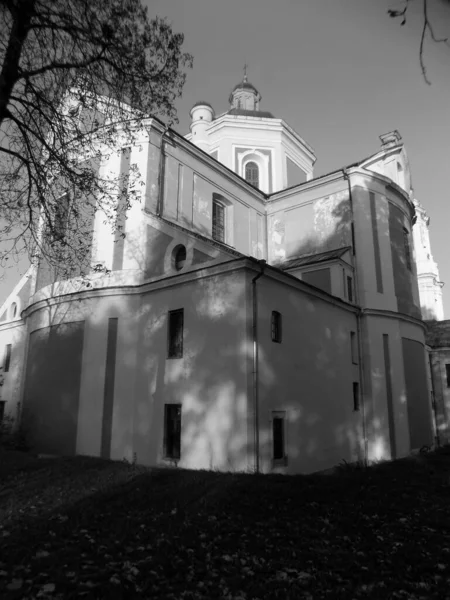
column 2, row 410
column 175, row 334
column 172, row 430
column 354, row 349
column 180, row 257
column 447, row 372
column 350, row 288
column 13, row 310
column 7, row 360
column 276, row 327
column 278, row 437
column 407, row 249
column 252, row 173
column 218, row 221
column 355, row 395
column 61, row 217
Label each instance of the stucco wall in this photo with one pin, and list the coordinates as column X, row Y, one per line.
column 309, row 375
column 52, row 387
column 14, row 334
column 210, row 381
column 310, row 220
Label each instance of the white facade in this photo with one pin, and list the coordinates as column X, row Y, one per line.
column 245, row 134
column 430, row 285
column 262, row 327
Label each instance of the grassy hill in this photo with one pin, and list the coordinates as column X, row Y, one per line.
column 85, row 527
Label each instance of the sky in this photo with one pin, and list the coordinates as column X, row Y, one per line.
column 340, row 72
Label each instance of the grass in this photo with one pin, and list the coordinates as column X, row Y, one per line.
column 84, row 527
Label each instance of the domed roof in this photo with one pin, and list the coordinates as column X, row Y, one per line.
column 245, row 85
column 201, row 103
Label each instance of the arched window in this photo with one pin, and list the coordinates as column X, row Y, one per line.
column 179, row 257
column 13, row 310
column 252, row 173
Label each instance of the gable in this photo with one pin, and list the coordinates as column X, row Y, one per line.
column 18, row 299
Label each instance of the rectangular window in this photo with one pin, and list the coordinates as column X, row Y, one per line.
column 447, row 372
column 2, row 410
column 354, row 348
column 278, row 435
column 175, row 334
column 218, row 221
column 407, row 249
column 355, row 395
column 7, row 358
column 276, row 327
column 349, row 289
column 61, row 216
column 172, row 430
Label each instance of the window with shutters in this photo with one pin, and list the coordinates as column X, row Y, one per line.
column 175, row 334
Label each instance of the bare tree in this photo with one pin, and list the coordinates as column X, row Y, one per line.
column 77, row 80
column 427, row 29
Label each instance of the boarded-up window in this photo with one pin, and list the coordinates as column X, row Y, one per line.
column 172, row 431
column 175, row 334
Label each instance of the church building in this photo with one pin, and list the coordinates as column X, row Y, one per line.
column 255, row 317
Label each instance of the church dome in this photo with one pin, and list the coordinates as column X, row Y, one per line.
column 245, row 96
column 200, row 103
column 245, row 85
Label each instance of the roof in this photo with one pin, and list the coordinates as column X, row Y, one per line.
column 201, row 103
column 242, row 112
column 310, row 259
column 245, row 85
column 437, row 334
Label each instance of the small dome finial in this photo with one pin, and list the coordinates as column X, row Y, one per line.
column 245, row 73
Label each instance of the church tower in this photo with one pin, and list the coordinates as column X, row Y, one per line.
column 430, row 285
column 263, row 150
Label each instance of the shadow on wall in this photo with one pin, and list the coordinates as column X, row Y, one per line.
column 211, row 382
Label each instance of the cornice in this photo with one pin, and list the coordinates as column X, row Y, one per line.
column 13, row 324
column 217, row 166
column 307, row 185
column 158, row 283
column 389, row 314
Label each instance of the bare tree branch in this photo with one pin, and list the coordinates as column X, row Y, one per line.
column 427, row 27
column 78, row 78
